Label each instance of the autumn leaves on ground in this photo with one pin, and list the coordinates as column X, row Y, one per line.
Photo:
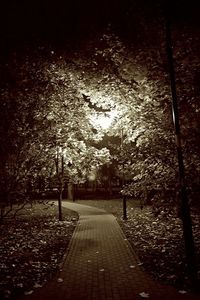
column 31, row 248
column 34, row 243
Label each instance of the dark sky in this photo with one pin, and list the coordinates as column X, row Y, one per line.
column 45, row 18
column 22, row 20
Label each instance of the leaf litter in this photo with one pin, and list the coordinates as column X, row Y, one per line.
column 159, row 244
column 32, row 247
column 157, row 240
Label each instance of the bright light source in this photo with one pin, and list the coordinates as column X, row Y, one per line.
column 103, row 120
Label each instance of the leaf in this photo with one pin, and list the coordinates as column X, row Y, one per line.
column 144, row 295
column 37, row 285
column 59, row 280
column 101, row 270
column 132, row 267
column 182, row 292
column 26, row 293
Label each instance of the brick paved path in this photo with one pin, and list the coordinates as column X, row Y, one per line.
column 100, row 265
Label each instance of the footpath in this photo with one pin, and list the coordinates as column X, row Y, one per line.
column 101, row 265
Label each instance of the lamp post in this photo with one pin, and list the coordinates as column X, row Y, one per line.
column 185, row 208
column 123, row 179
column 60, row 176
column 70, row 186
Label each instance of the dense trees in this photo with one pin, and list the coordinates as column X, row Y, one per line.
column 48, row 97
column 143, row 125
column 44, row 119
column 142, row 84
column 52, row 95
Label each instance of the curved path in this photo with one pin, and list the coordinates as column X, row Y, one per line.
column 101, row 265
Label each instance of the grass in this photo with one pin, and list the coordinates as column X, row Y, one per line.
column 113, row 206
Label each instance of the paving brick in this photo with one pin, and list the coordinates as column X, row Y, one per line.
column 99, row 263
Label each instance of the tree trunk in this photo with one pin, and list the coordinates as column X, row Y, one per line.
column 70, row 191
column 60, row 205
column 60, row 175
column 110, row 187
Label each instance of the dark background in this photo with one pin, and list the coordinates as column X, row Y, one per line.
column 56, row 19
column 62, row 20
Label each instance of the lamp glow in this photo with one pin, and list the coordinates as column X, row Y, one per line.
column 103, row 121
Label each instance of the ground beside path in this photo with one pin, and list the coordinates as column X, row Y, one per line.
column 100, row 264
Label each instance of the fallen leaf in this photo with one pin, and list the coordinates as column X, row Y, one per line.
column 59, row 280
column 26, row 293
column 37, row 285
column 182, row 292
column 132, row 267
column 101, row 270
column 144, row 295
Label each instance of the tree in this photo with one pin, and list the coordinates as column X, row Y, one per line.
column 43, row 115
column 109, row 74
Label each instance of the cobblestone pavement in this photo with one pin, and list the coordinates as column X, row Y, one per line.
column 101, row 265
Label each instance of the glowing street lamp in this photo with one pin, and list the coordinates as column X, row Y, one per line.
column 103, row 120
